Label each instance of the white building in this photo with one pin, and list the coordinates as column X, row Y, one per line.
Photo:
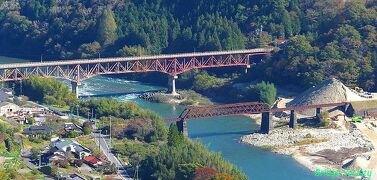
column 8, row 109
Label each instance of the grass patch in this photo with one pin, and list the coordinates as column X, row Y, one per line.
column 193, row 98
column 64, row 109
column 268, row 147
column 309, row 140
column 30, row 144
column 88, row 142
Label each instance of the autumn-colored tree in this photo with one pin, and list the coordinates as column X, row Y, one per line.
column 205, row 173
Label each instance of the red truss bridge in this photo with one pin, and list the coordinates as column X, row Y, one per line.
column 195, row 112
column 171, row 64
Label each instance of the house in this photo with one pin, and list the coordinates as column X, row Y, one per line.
column 68, row 127
column 37, row 130
column 20, row 119
column 39, row 120
column 363, row 108
column 8, row 109
column 279, row 42
column 32, row 110
column 53, row 158
column 92, row 161
column 61, row 147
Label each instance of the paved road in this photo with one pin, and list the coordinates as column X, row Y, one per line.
column 110, row 156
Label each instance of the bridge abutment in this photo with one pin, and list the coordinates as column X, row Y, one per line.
column 75, row 88
column 293, row 119
column 266, row 124
column 182, row 127
column 171, row 85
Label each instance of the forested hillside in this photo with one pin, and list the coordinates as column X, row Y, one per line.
column 327, row 38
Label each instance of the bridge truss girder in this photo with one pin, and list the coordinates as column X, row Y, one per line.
column 87, row 69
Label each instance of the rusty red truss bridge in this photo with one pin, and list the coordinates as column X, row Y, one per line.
column 173, row 64
column 195, row 112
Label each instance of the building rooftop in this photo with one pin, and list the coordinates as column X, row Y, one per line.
column 364, row 105
column 61, row 144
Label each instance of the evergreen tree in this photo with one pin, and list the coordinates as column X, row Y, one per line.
column 174, row 137
column 107, row 28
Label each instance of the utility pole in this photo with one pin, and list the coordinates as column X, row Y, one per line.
column 41, row 57
column 99, row 140
column 77, row 110
column 110, row 133
column 88, row 115
column 21, row 86
column 40, row 159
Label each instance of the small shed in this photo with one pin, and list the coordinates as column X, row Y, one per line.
column 363, row 108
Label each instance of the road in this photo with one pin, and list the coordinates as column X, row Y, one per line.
column 110, row 156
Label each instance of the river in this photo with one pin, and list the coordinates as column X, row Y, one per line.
column 218, row 134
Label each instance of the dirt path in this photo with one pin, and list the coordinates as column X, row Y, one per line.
column 372, row 136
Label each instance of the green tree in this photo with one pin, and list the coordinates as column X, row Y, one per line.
column 89, row 50
column 266, row 92
column 107, row 28
column 174, row 137
column 132, row 51
column 35, row 153
column 87, row 128
column 204, row 82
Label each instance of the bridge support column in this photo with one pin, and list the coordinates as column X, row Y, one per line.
column 247, row 67
column 318, row 113
column 75, row 88
column 182, row 127
column 293, row 119
column 266, row 124
column 171, row 84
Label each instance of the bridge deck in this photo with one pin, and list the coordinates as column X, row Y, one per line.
column 195, row 112
column 122, row 59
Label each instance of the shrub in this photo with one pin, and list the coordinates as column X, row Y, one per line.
column 265, row 92
column 324, row 119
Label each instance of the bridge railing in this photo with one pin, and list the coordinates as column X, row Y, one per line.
column 117, row 59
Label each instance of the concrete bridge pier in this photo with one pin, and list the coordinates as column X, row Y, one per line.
column 318, row 113
column 75, row 88
column 293, row 119
column 247, row 68
column 171, row 84
column 266, row 124
column 182, row 127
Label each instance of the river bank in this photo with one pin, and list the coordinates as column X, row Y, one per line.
column 184, row 97
column 321, row 148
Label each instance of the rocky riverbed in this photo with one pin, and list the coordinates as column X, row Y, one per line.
column 186, row 97
column 315, row 148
